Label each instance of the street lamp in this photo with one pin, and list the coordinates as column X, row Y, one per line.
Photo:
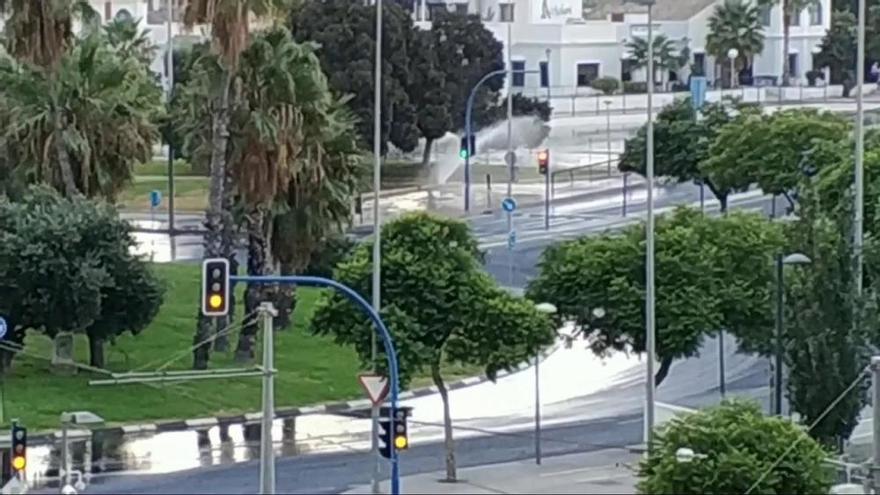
column 548, row 309
column 781, row 261
column 377, row 243
column 650, row 336
column 732, row 54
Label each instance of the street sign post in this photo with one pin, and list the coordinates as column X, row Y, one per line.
column 375, row 386
column 511, row 239
column 508, row 205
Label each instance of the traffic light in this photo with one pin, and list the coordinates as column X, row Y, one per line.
column 19, row 448
column 543, row 161
column 468, row 147
column 215, row 287
column 396, row 438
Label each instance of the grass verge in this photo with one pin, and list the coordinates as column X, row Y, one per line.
column 311, row 369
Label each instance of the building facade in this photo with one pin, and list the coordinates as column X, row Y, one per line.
column 581, row 40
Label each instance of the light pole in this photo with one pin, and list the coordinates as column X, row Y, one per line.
column 377, row 234
column 859, row 206
column 549, row 309
column 732, row 54
column 169, row 43
column 781, row 261
column 650, row 344
column 547, row 175
column 608, row 132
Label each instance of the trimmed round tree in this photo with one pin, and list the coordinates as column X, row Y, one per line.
column 735, row 449
column 440, row 306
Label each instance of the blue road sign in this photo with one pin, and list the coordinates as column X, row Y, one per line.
column 698, row 91
column 2, row 328
column 155, row 198
column 508, row 205
column 511, row 239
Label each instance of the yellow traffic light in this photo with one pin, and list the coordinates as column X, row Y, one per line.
column 19, row 462
column 400, row 442
column 215, row 301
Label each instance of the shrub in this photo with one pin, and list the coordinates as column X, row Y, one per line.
column 607, row 85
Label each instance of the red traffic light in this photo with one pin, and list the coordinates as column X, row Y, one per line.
column 543, row 161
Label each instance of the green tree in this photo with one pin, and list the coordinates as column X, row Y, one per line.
column 427, row 90
column 735, row 24
column 667, row 56
column 438, row 304
column 839, row 50
column 773, row 151
column 345, row 34
column 83, row 126
column 127, row 37
column 682, row 139
column 89, row 283
column 742, row 450
column 229, row 22
column 708, row 269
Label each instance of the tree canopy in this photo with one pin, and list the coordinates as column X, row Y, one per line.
column 735, row 447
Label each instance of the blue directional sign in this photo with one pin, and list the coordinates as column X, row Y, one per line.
column 155, row 198
column 511, row 239
column 698, row 91
column 3, row 328
column 508, row 205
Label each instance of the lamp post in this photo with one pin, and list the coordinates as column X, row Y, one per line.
column 732, row 54
column 650, row 336
column 608, row 132
column 547, row 176
column 169, row 43
column 377, row 235
column 859, row 207
column 781, row 261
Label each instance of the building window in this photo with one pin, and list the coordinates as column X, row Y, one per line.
column 699, row 64
column 617, row 17
column 108, row 10
column 461, row 8
column 586, row 73
column 545, row 75
column 793, row 68
column 435, row 10
column 506, row 12
column 627, row 66
column 815, row 10
column 795, row 19
column 519, row 78
column 765, row 15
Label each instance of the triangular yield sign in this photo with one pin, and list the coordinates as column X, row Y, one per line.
column 376, row 387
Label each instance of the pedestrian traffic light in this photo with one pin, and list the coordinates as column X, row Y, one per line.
column 468, row 147
column 393, row 438
column 543, row 161
column 19, row 448
column 215, row 287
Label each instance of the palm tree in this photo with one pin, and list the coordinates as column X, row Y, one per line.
column 128, row 38
column 735, row 24
column 292, row 154
column 107, row 104
column 229, row 21
column 667, row 56
column 39, row 32
column 790, row 8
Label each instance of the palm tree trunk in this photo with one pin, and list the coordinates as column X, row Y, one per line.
column 70, row 189
column 221, row 343
column 213, row 218
column 257, row 264
column 786, row 32
column 447, row 421
column 285, row 300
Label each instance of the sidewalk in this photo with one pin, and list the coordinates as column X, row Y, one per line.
column 605, row 471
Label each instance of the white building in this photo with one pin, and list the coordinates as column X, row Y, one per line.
column 586, row 39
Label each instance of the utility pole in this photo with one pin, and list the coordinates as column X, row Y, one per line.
column 267, row 453
column 547, row 176
column 510, row 155
column 169, row 43
column 649, row 262
column 875, row 383
column 377, row 233
column 858, row 227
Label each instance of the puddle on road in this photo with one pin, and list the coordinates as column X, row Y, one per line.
column 112, row 452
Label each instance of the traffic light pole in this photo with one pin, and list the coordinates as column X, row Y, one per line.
column 267, row 453
column 468, row 127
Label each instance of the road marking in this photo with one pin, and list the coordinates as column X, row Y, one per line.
column 604, row 478
column 630, row 421
column 576, row 470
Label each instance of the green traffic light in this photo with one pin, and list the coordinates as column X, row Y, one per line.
column 463, row 154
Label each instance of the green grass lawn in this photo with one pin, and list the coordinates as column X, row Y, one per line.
column 190, row 193
column 160, row 167
column 311, row 369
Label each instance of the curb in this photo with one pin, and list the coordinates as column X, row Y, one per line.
column 348, row 408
